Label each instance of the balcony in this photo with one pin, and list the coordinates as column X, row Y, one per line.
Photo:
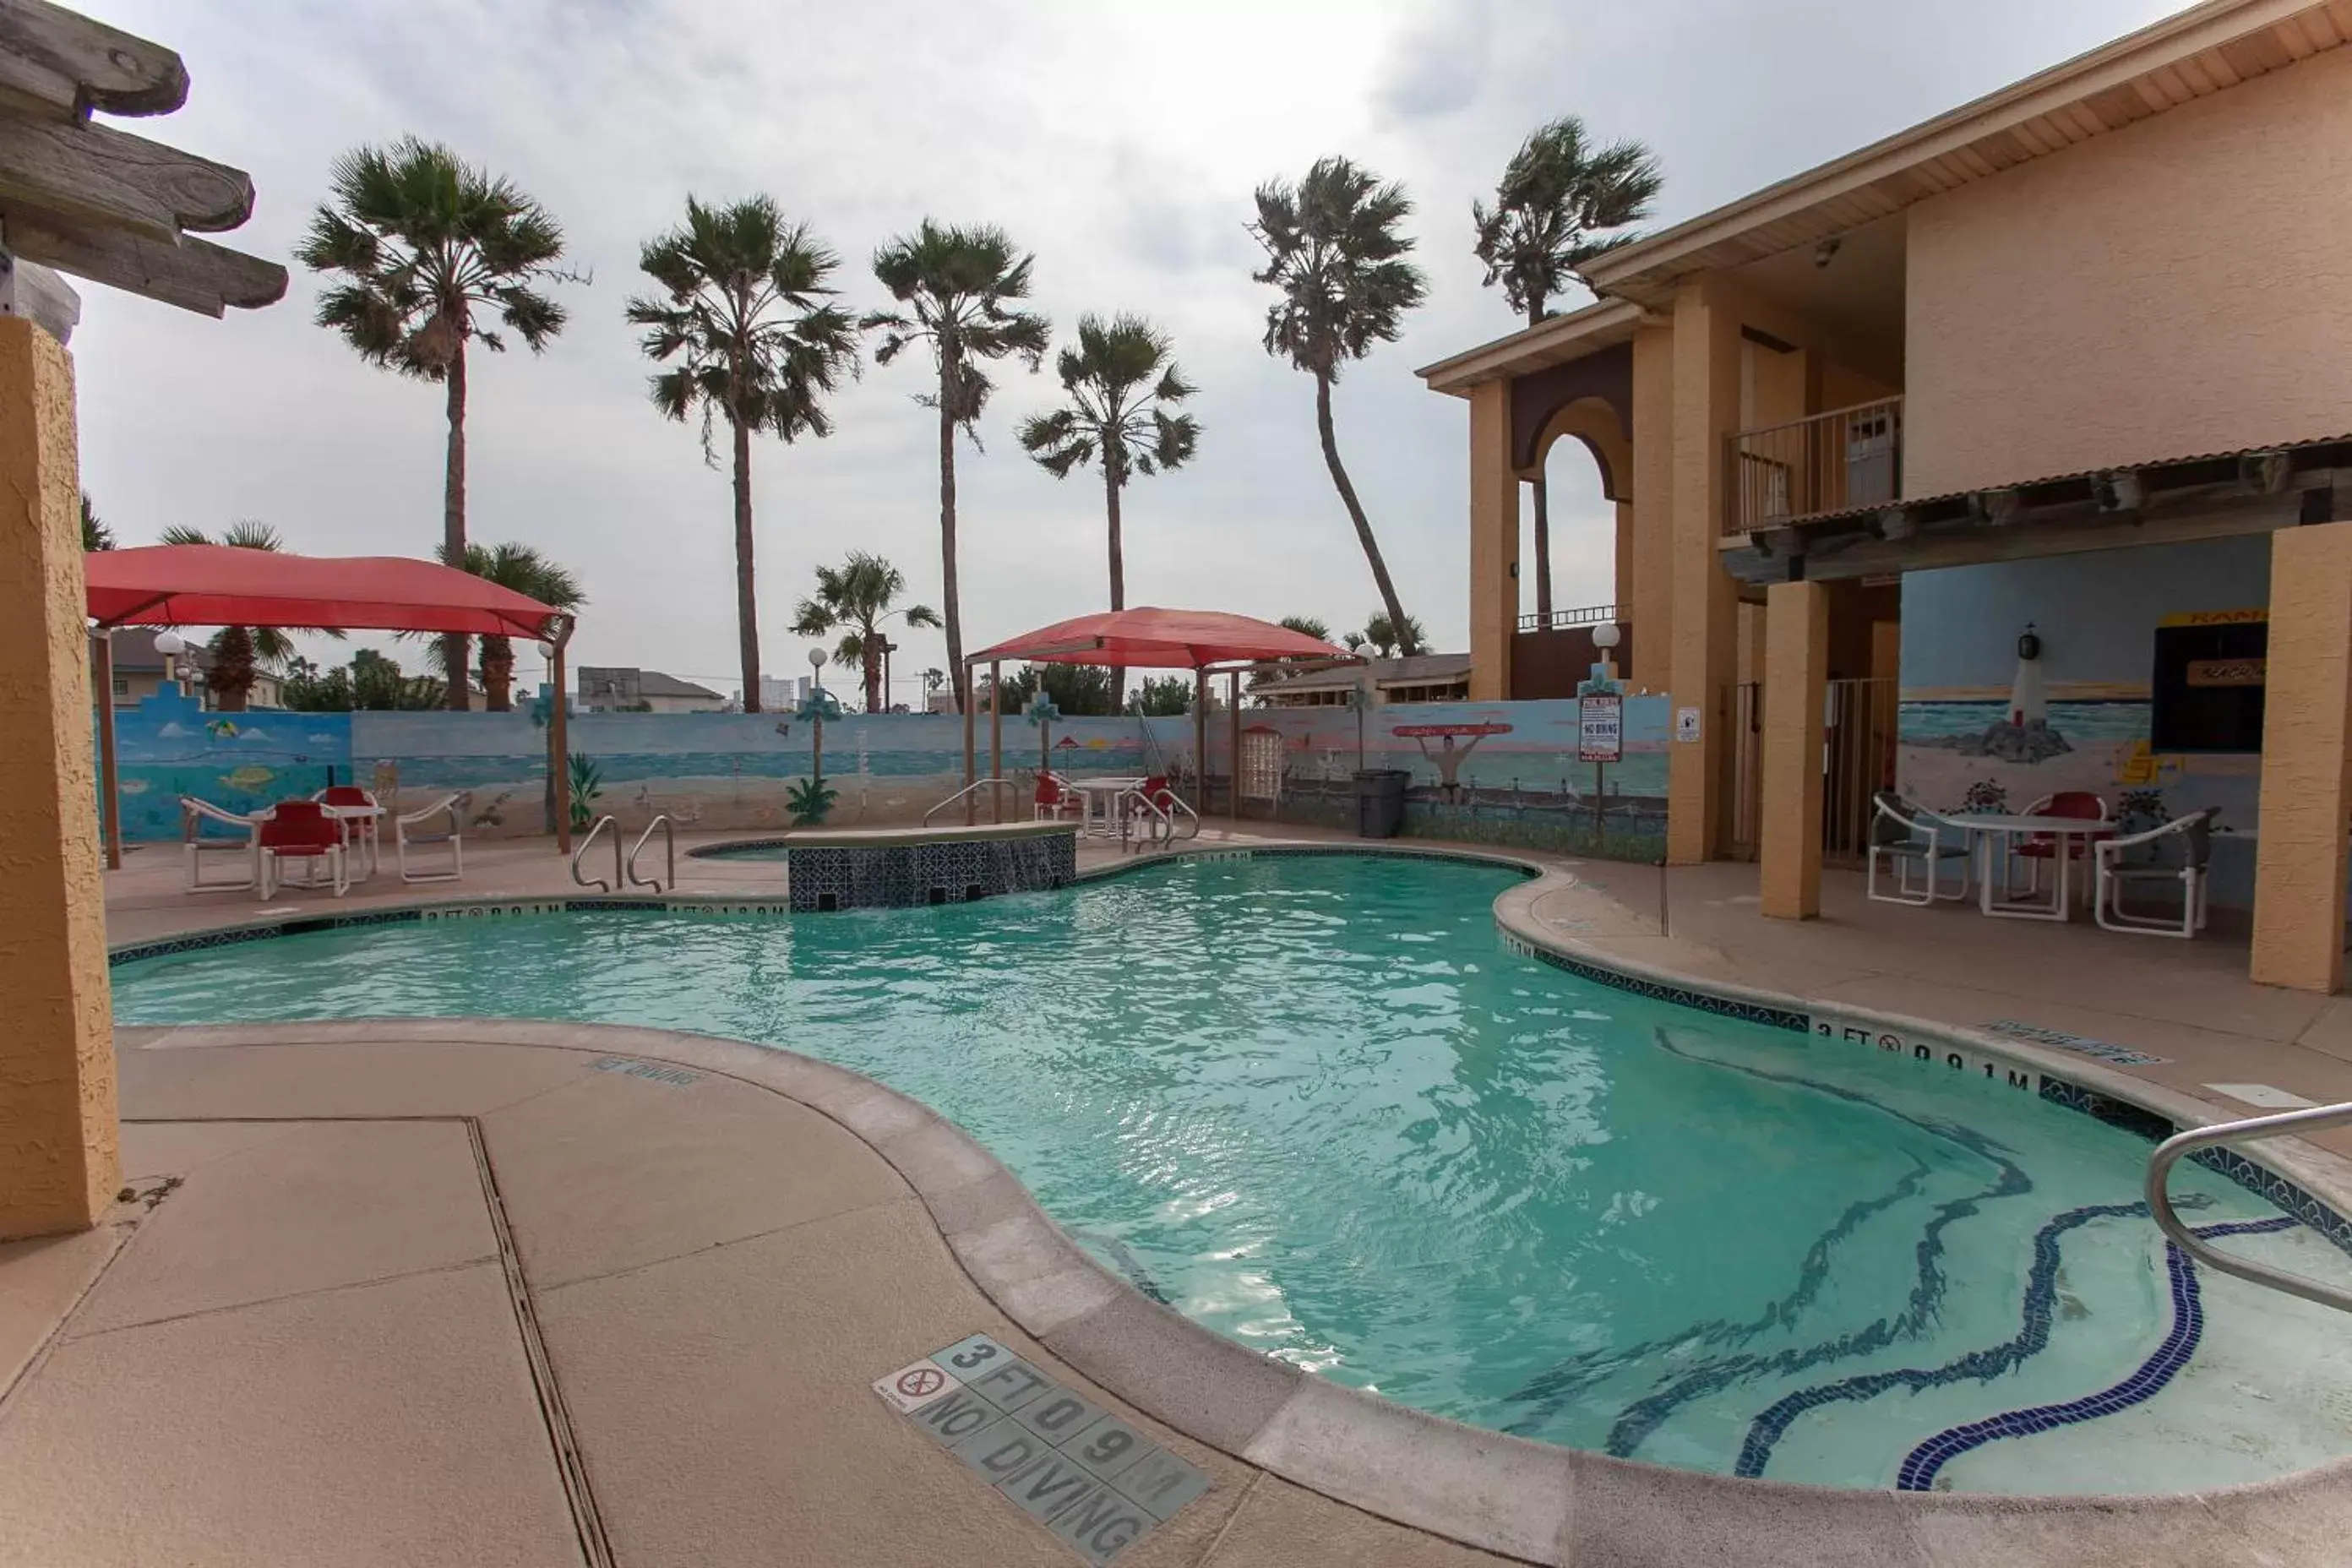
column 1845, row 460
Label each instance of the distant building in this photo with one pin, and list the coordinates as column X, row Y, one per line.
column 139, row 672
column 1420, row 678
column 618, row 689
column 781, row 693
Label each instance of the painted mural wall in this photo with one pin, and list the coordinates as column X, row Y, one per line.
column 2097, row 615
column 1504, row 773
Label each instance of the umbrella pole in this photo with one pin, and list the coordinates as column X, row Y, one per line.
column 1199, row 743
column 995, row 739
column 1233, row 732
column 109, row 790
column 560, row 763
column 970, row 772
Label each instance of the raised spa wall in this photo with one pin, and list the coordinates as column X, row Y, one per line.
column 894, row 870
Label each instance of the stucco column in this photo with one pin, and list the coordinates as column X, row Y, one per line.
column 2306, row 789
column 1704, row 642
column 59, row 1168
column 1650, row 611
column 1493, row 543
column 1796, row 672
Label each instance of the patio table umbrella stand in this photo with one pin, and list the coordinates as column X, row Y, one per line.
column 215, row 585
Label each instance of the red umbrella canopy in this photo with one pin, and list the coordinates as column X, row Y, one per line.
column 1151, row 638
column 220, row 585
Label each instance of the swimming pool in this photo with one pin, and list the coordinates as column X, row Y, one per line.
column 1315, row 1104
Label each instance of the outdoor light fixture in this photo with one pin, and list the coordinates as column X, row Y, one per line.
column 170, row 645
column 1604, row 636
column 1826, row 251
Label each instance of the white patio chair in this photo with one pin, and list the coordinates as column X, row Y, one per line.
column 414, row 828
column 194, row 814
column 2182, row 850
column 1918, row 844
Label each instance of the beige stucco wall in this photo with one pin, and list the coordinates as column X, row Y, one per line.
column 2180, row 286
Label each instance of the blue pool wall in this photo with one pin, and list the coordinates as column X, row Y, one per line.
column 2097, row 615
column 1516, row 780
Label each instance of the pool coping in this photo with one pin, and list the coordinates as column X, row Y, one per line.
column 1537, row 1503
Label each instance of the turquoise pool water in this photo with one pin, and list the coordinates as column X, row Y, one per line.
column 1315, row 1104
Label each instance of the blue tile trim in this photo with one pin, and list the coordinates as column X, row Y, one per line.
column 2135, row 1118
column 1920, row 1465
column 2280, row 1193
column 191, row 944
column 1762, row 1012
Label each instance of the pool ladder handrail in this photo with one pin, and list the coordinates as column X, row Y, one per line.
column 1167, row 835
column 669, row 848
column 602, row 885
column 975, row 786
column 2181, row 1144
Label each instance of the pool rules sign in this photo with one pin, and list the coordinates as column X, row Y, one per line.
column 1599, row 729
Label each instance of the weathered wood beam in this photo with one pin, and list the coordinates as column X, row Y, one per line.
column 195, row 274
column 60, row 65
column 109, row 179
column 40, row 295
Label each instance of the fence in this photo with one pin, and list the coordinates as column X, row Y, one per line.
column 1858, row 758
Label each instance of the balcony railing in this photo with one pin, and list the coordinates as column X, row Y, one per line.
column 1590, row 615
column 1845, row 458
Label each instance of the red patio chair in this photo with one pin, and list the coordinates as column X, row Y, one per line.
column 300, row 832
column 1056, row 800
column 2039, row 847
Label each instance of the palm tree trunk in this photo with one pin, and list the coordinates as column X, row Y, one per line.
column 1118, row 577
column 1543, row 549
column 869, row 658
column 747, row 602
column 452, row 520
column 498, row 675
column 961, row 676
column 1389, row 600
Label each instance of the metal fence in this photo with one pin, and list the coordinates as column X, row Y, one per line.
column 1858, row 744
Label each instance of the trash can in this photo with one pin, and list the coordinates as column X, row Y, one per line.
column 1380, row 802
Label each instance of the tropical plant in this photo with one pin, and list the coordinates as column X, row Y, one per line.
column 371, row 683
column 1160, row 696
column 808, row 800
column 958, row 290
column 423, row 241
column 1334, row 250
column 1080, row 691
column 1561, row 202
column 1122, row 383
column 860, row 595
column 529, row 572
column 1307, row 626
column 95, row 534
column 933, row 680
column 585, row 785
column 1380, row 635
column 744, row 311
column 239, row 653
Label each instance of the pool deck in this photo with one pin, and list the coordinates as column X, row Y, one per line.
column 464, row 1292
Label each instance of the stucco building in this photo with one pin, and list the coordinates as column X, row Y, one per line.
column 2069, row 357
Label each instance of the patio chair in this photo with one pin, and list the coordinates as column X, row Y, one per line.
column 415, row 827
column 2038, row 849
column 2178, row 853
column 1056, row 800
column 301, row 833
column 1918, row 845
column 194, row 814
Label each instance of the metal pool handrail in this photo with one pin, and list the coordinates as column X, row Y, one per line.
column 975, row 786
column 669, row 845
column 602, row 885
column 1167, row 818
column 2181, row 1144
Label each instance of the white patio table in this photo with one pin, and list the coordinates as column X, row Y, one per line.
column 362, row 825
column 1993, row 830
column 1099, row 798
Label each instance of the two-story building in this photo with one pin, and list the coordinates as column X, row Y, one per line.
column 2074, row 359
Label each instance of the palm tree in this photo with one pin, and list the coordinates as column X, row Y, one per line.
column 1121, row 379
column 240, row 652
column 1561, row 202
column 1332, row 247
column 1381, row 635
column 1307, row 626
column 95, row 534
column 742, row 311
column 860, row 595
column 958, row 287
column 529, row 573
column 425, row 240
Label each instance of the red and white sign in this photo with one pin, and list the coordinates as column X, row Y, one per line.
column 911, row 1388
column 1430, row 731
column 1599, row 729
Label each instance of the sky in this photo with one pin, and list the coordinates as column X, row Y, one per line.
column 1119, row 143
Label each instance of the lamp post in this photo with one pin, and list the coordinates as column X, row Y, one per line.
column 170, row 645
column 1605, row 638
column 816, row 676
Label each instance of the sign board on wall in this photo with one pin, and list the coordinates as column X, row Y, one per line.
column 1599, row 729
column 1686, row 725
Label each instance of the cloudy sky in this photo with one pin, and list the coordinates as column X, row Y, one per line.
column 1118, row 143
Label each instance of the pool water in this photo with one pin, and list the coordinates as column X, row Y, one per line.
column 1315, row 1104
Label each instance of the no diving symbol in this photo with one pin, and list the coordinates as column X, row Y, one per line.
column 922, row 1382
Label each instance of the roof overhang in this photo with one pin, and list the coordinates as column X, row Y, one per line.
column 1550, row 343
column 2204, row 50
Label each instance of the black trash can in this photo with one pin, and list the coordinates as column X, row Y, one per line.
column 1380, row 802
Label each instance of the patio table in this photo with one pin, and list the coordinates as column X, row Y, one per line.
column 362, row 825
column 1102, row 793
column 1993, row 830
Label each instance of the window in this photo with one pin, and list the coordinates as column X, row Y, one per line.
column 1261, row 764
column 2207, row 691
column 122, row 686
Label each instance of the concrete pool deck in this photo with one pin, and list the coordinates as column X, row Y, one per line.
column 469, row 1292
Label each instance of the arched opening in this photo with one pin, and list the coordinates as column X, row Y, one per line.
column 1575, row 567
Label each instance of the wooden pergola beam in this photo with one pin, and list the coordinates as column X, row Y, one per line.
column 58, row 65
column 195, row 274
column 104, row 178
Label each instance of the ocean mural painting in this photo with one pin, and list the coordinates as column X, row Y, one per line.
column 1499, row 773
